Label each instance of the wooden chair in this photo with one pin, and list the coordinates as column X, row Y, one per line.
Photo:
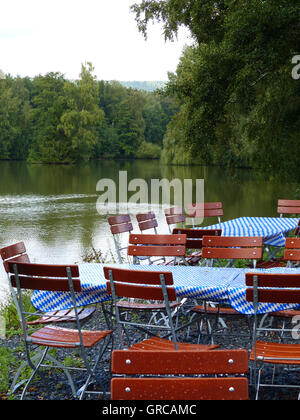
column 203, row 210
column 272, row 288
column 119, row 225
column 194, row 242
column 171, row 375
column 18, row 253
column 152, row 292
column 141, row 245
column 232, row 249
column 288, row 207
column 147, row 221
column 60, row 278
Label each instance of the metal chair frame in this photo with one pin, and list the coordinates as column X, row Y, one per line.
column 272, row 288
column 26, row 276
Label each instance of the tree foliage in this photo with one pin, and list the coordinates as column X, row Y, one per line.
column 49, row 119
column 239, row 103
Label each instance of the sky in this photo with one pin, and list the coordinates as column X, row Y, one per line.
column 40, row 36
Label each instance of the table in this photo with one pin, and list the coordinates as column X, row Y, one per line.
column 225, row 285
column 272, row 229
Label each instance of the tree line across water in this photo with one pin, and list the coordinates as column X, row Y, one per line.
column 49, row 119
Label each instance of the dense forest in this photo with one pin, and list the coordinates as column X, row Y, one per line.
column 49, row 119
column 240, row 104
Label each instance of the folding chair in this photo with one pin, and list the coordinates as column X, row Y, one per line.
column 141, row 245
column 272, row 288
column 202, row 210
column 174, row 215
column 119, row 225
column 288, row 207
column 194, row 242
column 153, row 292
column 232, row 249
column 26, row 276
column 18, row 253
column 147, row 221
column 180, row 375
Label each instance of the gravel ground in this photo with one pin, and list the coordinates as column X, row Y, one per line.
column 54, row 386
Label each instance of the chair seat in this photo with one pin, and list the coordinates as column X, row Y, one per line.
column 63, row 316
column 145, row 306
column 200, row 309
column 66, row 338
column 162, row 344
column 286, row 314
column 291, row 352
column 271, row 264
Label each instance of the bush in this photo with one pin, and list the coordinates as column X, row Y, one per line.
column 148, row 151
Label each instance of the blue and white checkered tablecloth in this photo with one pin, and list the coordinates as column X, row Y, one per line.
column 209, row 283
column 272, row 229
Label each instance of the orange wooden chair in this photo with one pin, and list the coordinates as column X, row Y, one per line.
column 288, row 207
column 145, row 292
column 179, row 375
column 18, row 253
column 217, row 248
column 194, row 242
column 120, row 224
column 141, row 245
column 272, row 288
column 60, row 278
column 203, row 210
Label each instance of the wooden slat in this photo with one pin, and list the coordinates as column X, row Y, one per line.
column 179, row 389
column 288, row 203
column 292, row 243
column 180, row 362
column 232, row 241
column 45, row 283
column 232, row 253
column 43, row 270
column 197, row 233
column 273, row 280
column 141, row 292
column 142, row 217
column 274, row 296
column 292, row 255
column 177, row 218
column 148, row 224
column 116, row 220
column 138, row 276
column 157, row 239
column 288, row 210
column 174, row 210
column 12, row 250
column 157, row 251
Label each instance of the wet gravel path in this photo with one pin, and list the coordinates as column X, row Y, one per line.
column 54, row 386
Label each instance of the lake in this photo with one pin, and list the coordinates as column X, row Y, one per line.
column 52, row 208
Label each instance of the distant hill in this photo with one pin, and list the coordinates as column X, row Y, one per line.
column 148, row 86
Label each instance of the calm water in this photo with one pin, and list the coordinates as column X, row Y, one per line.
column 53, row 208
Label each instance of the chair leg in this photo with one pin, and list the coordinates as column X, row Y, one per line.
column 34, row 373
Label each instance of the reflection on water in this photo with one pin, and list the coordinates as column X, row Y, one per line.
column 53, row 208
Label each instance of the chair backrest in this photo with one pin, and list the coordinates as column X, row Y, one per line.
column 273, row 288
column 118, row 225
column 43, row 276
column 180, row 362
column 139, row 284
column 288, row 207
column 195, row 236
column 292, row 249
column 16, row 252
column 232, row 248
column 202, row 210
column 157, row 245
column 147, row 221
